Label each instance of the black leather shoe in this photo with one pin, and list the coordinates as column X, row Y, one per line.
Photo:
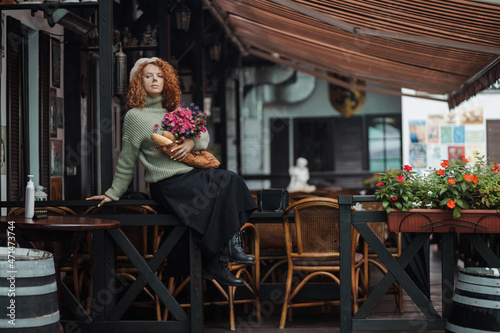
column 218, row 270
column 233, row 252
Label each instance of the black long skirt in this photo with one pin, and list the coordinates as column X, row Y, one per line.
column 215, row 203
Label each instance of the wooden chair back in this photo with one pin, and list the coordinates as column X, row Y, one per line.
column 58, row 211
column 316, row 227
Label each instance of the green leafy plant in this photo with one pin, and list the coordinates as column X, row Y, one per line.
column 456, row 185
column 372, row 181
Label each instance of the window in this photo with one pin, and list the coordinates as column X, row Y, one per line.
column 384, row 143
column 341, row 152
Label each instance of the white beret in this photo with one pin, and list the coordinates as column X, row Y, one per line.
column 138, row 63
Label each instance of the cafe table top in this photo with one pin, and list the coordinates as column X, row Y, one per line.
column 61, row 223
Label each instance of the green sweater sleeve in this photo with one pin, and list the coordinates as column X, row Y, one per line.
column 124, row 170
column 127, row 159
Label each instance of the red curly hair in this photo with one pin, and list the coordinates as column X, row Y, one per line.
column 171, row 90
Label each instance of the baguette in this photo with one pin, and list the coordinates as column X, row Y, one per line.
column 200, row 159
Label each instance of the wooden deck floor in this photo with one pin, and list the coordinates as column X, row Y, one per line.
column 321, row 320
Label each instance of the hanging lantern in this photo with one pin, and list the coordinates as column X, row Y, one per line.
column 182, row 16
column 120, row 72
column 347, row 101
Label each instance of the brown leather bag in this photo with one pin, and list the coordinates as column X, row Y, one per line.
column 200, row 159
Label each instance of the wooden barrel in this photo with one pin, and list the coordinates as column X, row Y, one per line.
column 28, row 291
column 476, row 301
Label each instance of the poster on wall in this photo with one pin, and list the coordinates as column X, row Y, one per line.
column 417, row 130
column 418, row 162
column 53, row 112
column 455, row 152
column 459, row 134
column 56, row 62
column 441, row 118
column 433, row 133
column 436, row 153
column 471, row 115
column 419, row 149
column 446, row 133
column 474, row 135
column 418, row 155
column 56, row 161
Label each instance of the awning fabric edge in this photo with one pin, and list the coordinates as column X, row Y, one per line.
column 475, row 87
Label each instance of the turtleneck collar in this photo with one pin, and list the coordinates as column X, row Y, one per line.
column 153, row 103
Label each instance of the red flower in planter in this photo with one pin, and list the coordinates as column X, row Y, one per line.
column 455, row 186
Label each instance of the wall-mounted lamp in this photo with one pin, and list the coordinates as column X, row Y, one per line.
column 70, row 21
column 182, row 15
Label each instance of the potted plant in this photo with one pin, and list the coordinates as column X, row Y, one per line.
column 464, row 196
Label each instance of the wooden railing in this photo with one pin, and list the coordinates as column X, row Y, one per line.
column 396, row 268
column 107, row 310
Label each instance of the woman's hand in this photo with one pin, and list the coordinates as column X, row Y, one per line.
column 183, row 148
column 102, row 197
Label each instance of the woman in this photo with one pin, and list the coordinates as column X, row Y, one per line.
column 214, row 203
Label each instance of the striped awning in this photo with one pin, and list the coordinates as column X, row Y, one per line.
column 441, row 49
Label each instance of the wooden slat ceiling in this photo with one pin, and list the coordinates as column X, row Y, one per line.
column 449, row 49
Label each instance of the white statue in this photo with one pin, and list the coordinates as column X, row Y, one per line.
column 40, row 195
column 299, row 175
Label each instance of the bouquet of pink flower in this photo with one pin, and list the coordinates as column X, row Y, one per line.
column 185, row 123
column 180, row 124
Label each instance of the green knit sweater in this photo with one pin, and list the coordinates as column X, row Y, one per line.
column 136, row 143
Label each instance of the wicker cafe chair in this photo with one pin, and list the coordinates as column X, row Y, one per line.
column 272, row 251
column 296, row 196
column 315, row 254
column 231, row 296
column 79, row 262
column 380, row 230
column 272, row 246
column 146, row 240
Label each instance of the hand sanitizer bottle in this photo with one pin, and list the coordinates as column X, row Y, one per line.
column 29, row 209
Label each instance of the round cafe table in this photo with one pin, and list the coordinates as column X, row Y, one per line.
column 56, row 233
